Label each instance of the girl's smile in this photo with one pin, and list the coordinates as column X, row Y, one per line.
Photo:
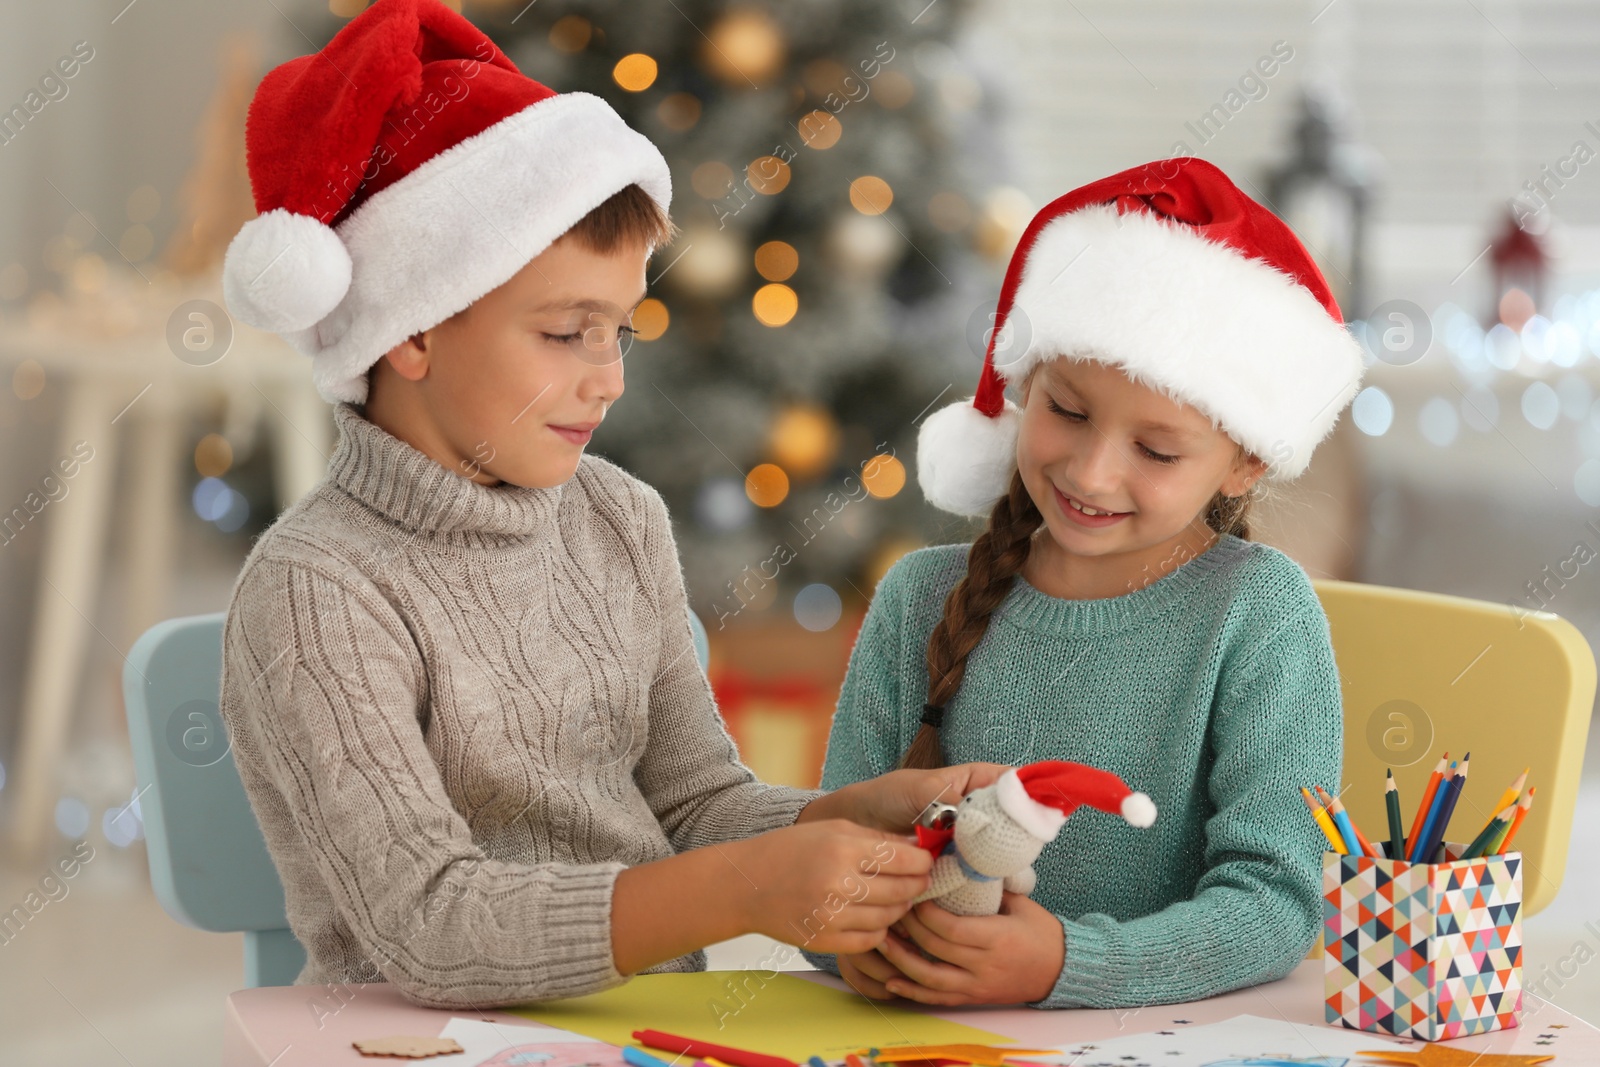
column 1084, row 515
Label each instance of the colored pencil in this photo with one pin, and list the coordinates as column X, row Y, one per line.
column 639, row 1058
column 735, row 1056
column 1435, row 840
column 1509, row 797
column 1522, row 810
column 1324, row 823
column 1391, row 801
column 1480, row 843
column 1419, row 838
column 1426, row 803
column 1353, row 838
column 1341, row 822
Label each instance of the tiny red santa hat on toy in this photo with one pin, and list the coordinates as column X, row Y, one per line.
column 403, row 172
column 1169, row 272
column 1041, row 795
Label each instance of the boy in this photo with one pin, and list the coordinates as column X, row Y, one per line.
column 458, row 675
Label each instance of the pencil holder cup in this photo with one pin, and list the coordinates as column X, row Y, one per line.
column 1430, row 951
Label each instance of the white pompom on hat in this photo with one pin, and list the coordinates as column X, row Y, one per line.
column 1171, row 273
column 1041, row 795
column 401, row 173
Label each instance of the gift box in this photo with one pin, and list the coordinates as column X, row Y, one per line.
column 1423, row 950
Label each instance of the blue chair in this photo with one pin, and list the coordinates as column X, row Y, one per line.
column 208, row 861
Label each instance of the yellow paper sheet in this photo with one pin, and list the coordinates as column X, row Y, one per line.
column 780, row 1015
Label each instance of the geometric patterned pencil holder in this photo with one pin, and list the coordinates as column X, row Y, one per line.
column 1424, row 950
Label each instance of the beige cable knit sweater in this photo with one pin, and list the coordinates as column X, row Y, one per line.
column 460, row 711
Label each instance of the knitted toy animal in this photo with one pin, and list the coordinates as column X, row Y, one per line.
column 997, row 832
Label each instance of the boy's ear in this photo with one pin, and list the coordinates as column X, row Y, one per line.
column 410, row 357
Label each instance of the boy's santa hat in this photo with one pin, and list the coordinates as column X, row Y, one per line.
column 403, row 172
column 1041, row 795
column 1172, row 274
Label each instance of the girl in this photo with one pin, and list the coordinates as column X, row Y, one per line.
column 1173, row 344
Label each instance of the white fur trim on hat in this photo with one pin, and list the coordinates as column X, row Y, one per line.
column 1241, row 341
column 1138, row 809
column 1040, row 820
column 965, row 458
column 283, row 271
column 466, row 221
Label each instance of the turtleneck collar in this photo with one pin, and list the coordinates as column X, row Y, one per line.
column 414, row 490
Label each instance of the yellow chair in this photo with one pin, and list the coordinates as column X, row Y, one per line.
column 1422, row 672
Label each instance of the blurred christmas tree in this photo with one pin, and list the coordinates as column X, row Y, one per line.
column 819, row 300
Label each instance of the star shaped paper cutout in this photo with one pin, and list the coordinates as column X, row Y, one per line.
column 1440, row 1056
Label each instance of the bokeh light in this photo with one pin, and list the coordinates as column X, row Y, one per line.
column 27, row 380
column 72, row 817
column 1372, row 411
column 1439, row 422
column 216, row 502
column 871, row 195
column 635, row 72
column 722, row 505
column 774, row 304
column 804, row 439
column 817, row 607
column 1516, row 308
column 1540, row 405
column 711, row 179
column 651, row 319
column 820, row 130
column 744, row 47
column 679, row 111
column 884, row 476
column 768, row 175
column 213, row 456
column 571, row 34
column 776, row 261
column 766, row 485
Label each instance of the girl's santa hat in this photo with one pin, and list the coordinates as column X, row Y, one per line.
column 1041, row 795
column 1172, row 274
column 403, row 172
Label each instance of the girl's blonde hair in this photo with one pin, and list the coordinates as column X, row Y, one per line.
column 994, row 560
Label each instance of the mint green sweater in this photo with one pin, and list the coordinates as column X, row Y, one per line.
column 1212, row 689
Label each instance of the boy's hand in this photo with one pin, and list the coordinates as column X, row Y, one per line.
column 828, row 886
column 1014, row 957
column 892, row 801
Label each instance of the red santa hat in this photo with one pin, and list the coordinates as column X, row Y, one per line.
column 1172, row 274
column 1041, row 795
column 403, row 172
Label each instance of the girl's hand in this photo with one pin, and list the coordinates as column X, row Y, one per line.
column 892, row 802
column 829, row 886
column 868, row 973
column 1014, row 957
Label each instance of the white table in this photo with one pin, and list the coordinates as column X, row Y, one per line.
column 279, row 1025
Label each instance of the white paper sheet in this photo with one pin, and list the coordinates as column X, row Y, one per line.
column 500, row 1045
column 1242, row 1041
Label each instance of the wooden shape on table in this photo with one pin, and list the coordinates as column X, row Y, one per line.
column 407, row 1047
